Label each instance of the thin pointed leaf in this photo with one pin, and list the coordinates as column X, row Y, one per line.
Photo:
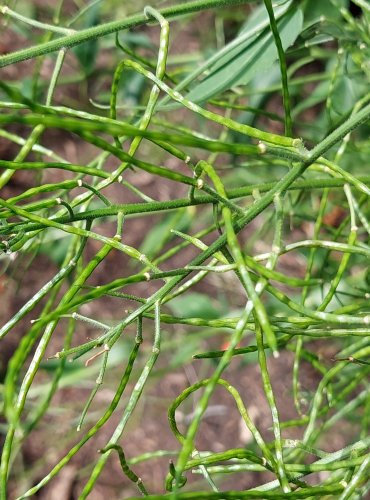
column 253, row 57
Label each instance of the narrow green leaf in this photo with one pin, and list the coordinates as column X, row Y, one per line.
column 255, row 56
column 86, row 52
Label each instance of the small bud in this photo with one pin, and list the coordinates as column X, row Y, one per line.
column 200, row 183
column 143, row 258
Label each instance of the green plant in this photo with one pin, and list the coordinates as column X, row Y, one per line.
column 223, row 150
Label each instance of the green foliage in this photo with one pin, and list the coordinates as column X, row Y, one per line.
column 249, row 172
column 195, row 305
column 249, row 55
column 86, row 53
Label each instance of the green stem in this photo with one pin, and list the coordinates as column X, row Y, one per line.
column 131, row 405
column 6, row 11
column 107, row 414
column 314, row 491
column 283, row 68
column 112, row 27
